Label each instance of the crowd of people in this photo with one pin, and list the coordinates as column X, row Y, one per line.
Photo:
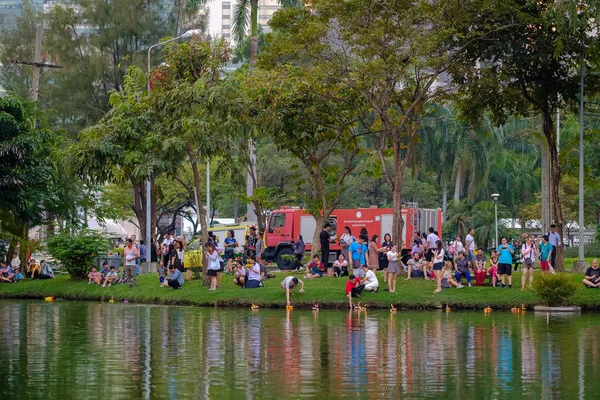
column 12, row 272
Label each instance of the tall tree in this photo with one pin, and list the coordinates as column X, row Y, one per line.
column 531, row 67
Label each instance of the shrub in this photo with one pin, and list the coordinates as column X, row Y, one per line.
column 591, row 250
column 77, row 253
column 555, row 290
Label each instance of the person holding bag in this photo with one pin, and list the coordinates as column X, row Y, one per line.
column 528, row 254
column 214, row 264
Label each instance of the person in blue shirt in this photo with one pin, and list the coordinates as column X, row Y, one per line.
column 175, row 278
column 230, row 246
column 505, row 252
column 545, row 254
column 357, row 253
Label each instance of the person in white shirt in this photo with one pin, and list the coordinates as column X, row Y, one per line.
column 554, row 239
column 470, row 245
column 393, row 268
column 432, row 238
column 370, row 280
column 340, row 266
column 253, row 269
column 289, row 284
column 166, row 244
column 458, row 245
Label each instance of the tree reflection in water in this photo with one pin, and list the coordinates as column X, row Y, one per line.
column 112, row 351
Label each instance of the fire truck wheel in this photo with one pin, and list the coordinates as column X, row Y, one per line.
column 285, row 259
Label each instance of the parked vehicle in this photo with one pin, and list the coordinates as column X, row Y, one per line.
column 286, row 224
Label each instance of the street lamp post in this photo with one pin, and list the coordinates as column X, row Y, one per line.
column 187, row 34
column 495, row 197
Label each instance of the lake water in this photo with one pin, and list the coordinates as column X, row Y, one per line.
column 125, row 351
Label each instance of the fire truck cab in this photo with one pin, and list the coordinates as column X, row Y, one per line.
column 285, row 225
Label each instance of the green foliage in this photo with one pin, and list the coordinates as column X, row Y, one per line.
column 555, row 290
column 77, row 252
column 590, row 250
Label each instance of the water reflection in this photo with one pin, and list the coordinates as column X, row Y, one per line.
column 87, row 350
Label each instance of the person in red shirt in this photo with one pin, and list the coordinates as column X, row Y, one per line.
column 353, row 289
column 315, row 269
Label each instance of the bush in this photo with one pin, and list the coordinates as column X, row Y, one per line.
column 555, row 290
column 591, row 250
column 77, row 253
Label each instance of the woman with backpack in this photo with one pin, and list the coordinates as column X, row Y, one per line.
column 528, row 254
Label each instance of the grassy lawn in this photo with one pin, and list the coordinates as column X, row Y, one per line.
column 328, row 292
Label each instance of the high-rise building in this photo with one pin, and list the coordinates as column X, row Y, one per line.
column 221, row 14
column 10, row 10
column 226, row 20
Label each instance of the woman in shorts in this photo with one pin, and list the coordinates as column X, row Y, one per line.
column 214, row 264
column 505, row 252
column 438, row 264
column 528, row 254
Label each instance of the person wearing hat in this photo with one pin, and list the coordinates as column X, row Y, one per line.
column 111, row 276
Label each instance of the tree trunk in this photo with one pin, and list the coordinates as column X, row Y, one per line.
column 546, row 207
column 555, row 174
column 253, row 32
column 398, row 221
column 458, row 185
column 444, row 200
column 201, row 214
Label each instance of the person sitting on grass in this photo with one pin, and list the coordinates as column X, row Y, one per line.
column 7, row 274
column 447, row 280
column 370, row 279
column 175, row 278
column 480, row 264
column 416, row 267
column 592, row 275
column 47, row 272
column 94, row 277
column 110, row 278
column 123, row 278
column 239, row 273
column 462, row 268
column 340, row 266
column 353, row 289
column 315, row 269
column 161, row 271
column 289, row 284
column 104, row 270
column 33, row 270
column 253, row 280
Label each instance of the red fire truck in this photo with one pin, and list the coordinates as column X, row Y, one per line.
column 286, row 224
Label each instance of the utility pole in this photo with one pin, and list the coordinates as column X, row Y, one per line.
column 37, row 64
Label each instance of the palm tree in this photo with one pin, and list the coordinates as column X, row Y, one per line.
column 458, row 219
column 245, row 13
column 484, row 221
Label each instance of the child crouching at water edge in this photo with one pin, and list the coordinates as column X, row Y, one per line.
column 447, row 280
column 289, row 284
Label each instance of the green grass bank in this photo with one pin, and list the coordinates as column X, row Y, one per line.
column 327, row 292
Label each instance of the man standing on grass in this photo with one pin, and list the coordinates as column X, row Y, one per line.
column 144, row 256
column 167, row 242
column 470, row 245
column 325, row 239
column 130, row 255
column 554, row 239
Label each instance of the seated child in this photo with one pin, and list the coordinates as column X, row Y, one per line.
column 18, row 275
column 239, row 273
column 315, row 269
column 353, row 289
column 94, row 277
column 340, row 266
column 162, row 272
column 123, row 278
column 447, row 280
column 111, row 276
